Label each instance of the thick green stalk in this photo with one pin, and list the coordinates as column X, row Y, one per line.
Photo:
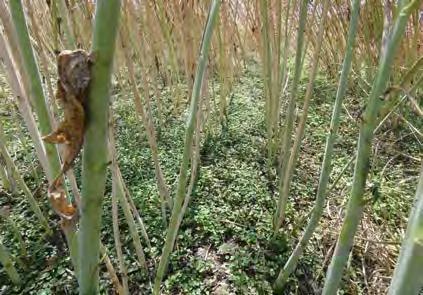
column 36, row 88
column 326, row 164
column 407, row 278
column 176, row 217
column 195, row 153
column 286, row 141
column 7, row 262
column 392, row 96
column 95, row 145
column 356, row 202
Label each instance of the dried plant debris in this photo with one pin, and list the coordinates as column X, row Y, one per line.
column 74, row 75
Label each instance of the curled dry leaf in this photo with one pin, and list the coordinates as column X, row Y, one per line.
column 74, row 75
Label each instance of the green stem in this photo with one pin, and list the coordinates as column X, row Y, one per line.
column 134, row 209
column 11, row 224
column 118, row 245
column 392, row 96
column 283, row 65
column 288, row 173
column 65, row 23
column 176, row 216
column 147, row 122
column 36, row 88
column 4, row 176
column 327, row 160
column 95, row 146
column 267, row 72
column 407, row 278
column 286, row 142
column 119, row 193
column 20, row 181
column 6, row 260
column 356, row 203
column 18, row 86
